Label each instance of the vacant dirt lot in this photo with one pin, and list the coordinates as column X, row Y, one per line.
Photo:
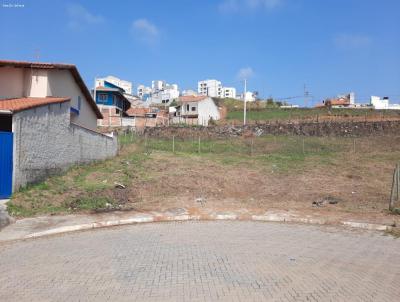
column 328, row 176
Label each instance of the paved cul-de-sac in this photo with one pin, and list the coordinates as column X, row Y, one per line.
column 203, row 261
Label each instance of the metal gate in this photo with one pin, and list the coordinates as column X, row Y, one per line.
column 6, row 164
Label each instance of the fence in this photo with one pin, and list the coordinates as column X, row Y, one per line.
column 259, row 146
column 395, row 192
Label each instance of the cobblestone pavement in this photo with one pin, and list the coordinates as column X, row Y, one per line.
column 203, row 261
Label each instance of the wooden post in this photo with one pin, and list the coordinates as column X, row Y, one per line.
column 303, row 146
column 392, row 192
column 354, row 145
column 397, row 182
column 199, row 145
column 395, row 192
column 173, row 143
column 251, row 147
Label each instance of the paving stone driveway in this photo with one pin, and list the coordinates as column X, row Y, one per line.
column 203, row 261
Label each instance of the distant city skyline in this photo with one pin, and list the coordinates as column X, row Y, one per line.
column 333, row 47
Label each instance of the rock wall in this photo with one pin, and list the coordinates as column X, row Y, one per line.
column 344, row 129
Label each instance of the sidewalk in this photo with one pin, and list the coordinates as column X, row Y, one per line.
column 51, row 225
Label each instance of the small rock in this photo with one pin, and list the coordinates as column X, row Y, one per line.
column 201, row 200
column 119, row 185
column 326, row 200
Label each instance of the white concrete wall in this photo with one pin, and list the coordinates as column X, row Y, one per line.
column 62, row 83
column 185, row 111
column 207, row 110
column 379, row 103
column 11, row 82
column 46, row 143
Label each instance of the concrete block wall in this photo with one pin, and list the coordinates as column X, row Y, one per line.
column 46, row 143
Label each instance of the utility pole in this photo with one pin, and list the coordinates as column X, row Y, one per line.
column 306, row 95
column 244, row 100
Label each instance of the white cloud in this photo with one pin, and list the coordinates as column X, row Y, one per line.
column 227, row 6
column 351, row 41
column 145, row 31
column 245, row 73
column 268, row 4
column 80, row 17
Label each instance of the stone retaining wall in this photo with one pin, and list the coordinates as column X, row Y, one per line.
column 345, row 129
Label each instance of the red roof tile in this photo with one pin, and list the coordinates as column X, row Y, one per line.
column 15, row 105
column 137, row 111
column 192, row 98
column 72, row 68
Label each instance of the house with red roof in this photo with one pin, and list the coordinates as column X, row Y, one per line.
column 48, row 122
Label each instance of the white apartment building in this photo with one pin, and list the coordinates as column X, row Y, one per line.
column 248, row 97
column 229, row 92
column 158, row 85
column 212, row 88
column 125, row 85
column 160, row 92
column 383, row 103
column 166, row 95
column 143, row 90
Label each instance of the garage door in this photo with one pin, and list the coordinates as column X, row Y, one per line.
column 6, row 164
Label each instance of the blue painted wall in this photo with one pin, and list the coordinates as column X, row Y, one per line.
column 111, row 100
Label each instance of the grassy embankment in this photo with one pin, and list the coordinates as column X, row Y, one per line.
column 262, row 111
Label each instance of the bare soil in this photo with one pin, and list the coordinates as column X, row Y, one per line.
column 359, row 182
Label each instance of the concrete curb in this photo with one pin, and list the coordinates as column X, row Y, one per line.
column 5, row 218
column 147, row 218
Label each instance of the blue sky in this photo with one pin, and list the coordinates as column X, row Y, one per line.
column 332, row 46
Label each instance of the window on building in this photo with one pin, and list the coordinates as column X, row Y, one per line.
column 187, row 107
column 79, row 102
column 117, row 111
column 103, row 97
column 193, row 108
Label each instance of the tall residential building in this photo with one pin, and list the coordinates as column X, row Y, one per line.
column 229, row 92
column 125, row 85
column 158, row 85
column 143, row 92
column 160, row 92
column 166, row 95
column 212, row 88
